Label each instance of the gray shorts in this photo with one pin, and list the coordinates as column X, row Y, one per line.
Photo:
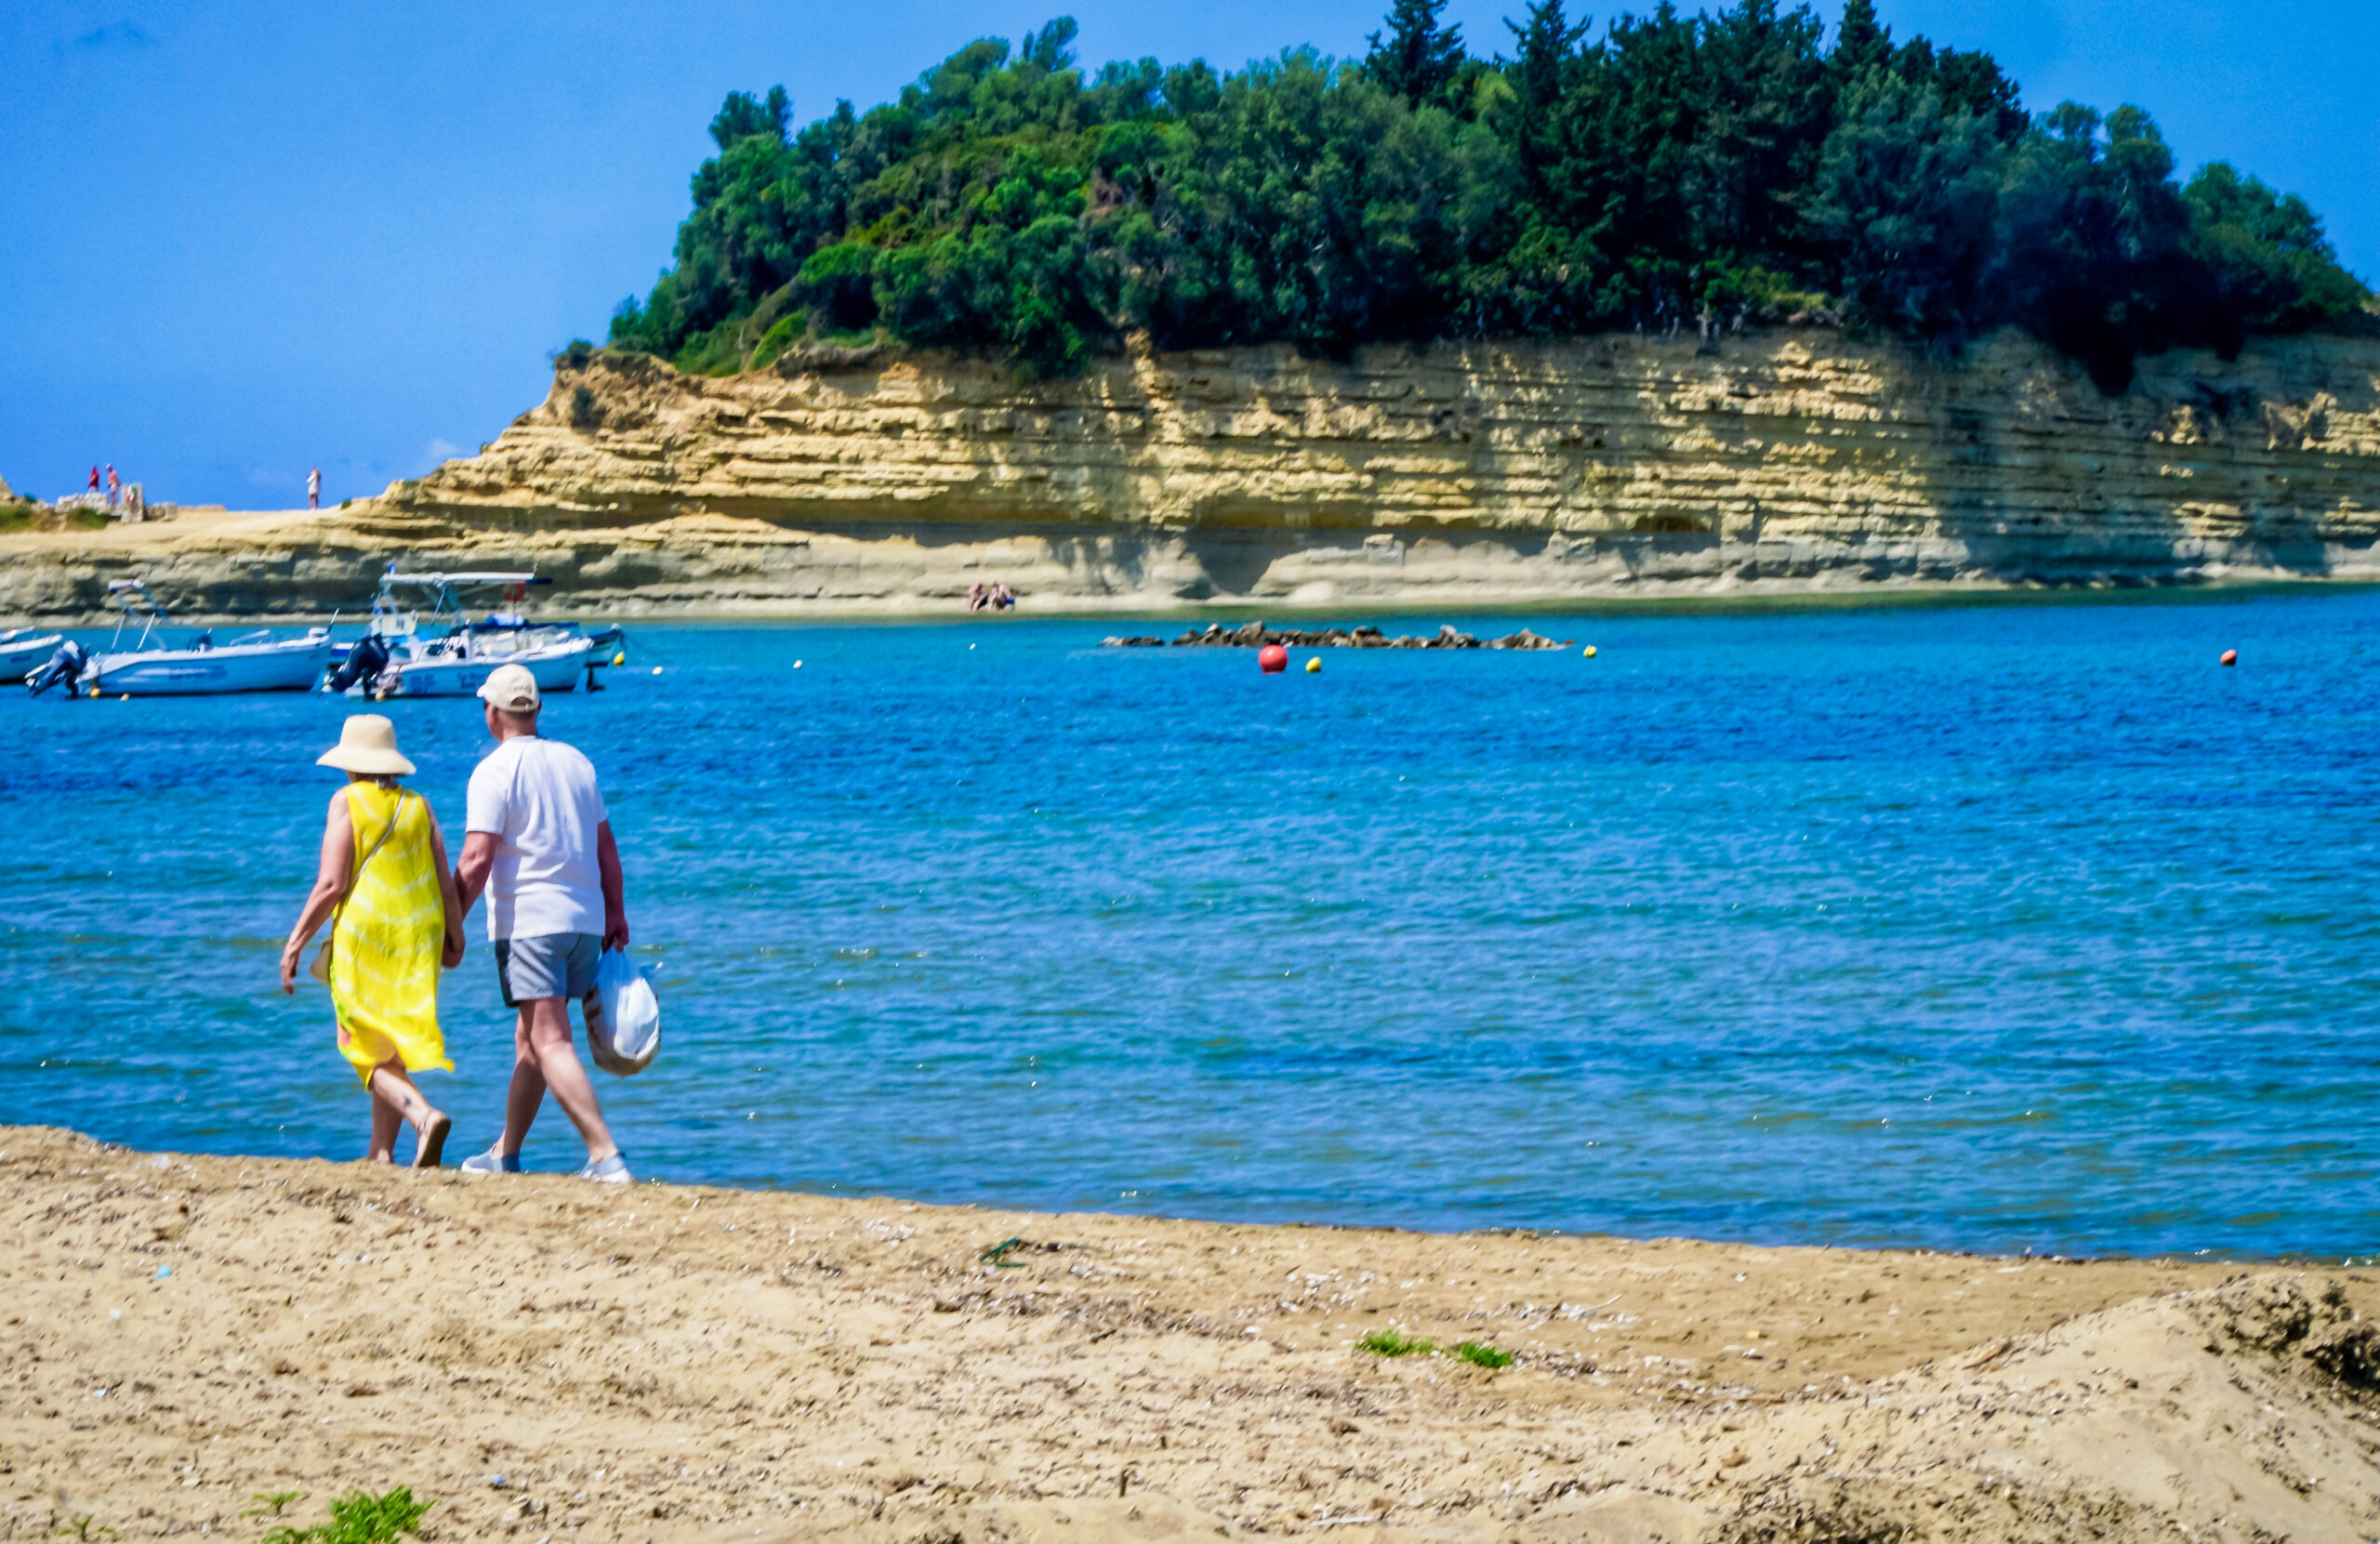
column 550, row 965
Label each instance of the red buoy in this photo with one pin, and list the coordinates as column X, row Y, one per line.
column 2231, row 656
column 1271, row 659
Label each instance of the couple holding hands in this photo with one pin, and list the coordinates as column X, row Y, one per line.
column 538, row 844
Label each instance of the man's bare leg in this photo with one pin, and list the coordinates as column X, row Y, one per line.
column 528, row 1091
column 544, row 1061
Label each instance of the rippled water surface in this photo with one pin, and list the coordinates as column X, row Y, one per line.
column 1995, row 928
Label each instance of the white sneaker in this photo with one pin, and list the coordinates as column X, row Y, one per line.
column 492, row 1162
column 613, row 1170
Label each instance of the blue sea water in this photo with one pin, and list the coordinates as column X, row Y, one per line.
column 1996, row 926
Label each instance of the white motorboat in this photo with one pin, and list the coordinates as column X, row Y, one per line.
column 404, row 654
column 252, row 661
column 440, row 673
column 21, row 652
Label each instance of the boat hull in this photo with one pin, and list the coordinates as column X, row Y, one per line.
column 293, row 666
column 555, row 668
column 21, row 657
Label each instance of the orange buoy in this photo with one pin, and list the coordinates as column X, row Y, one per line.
column 2231, row 656
column 1271, row 659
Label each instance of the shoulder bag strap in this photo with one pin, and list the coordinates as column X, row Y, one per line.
column 355, row 875
column 321, row 969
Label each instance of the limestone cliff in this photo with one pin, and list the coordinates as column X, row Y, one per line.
column 1462, row 474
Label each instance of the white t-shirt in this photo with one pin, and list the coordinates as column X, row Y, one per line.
column 538, row 798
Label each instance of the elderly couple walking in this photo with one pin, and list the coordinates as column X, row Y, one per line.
column 539, row 845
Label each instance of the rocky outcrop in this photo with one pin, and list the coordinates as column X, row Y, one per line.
column 1256, row 635
column 1480, row 473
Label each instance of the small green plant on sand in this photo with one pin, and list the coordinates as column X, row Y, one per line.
column 1479, row 1354
column 270, row 1502
column 360, row 1518
column 83, row 1527
column 1389, row 1342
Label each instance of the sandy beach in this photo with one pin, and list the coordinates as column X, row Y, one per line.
column 678, row 1363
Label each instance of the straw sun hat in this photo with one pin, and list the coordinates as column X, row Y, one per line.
column 368, row 744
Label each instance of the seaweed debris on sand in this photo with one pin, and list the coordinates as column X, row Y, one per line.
column 536, row 1355
column 1256, row 635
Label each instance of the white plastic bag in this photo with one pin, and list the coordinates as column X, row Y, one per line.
column 623, row 1016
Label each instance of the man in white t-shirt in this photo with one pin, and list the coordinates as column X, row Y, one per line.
column 538, row 841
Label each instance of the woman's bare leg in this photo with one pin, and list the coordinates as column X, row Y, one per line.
column 386, row 1121
column 394, row 1095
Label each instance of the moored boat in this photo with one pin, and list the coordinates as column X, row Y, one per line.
column 22, row 653
column 252, row 661
column 404, row 654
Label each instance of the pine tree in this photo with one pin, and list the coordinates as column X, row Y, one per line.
column 742, row 115
column 1417, row 58
column 1862, row 41
column 1547, row 44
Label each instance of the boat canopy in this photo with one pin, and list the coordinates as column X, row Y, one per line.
column 393, row 614
column 139, row 604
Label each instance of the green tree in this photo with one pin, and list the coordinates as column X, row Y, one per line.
column 2267, row 260
column 1861, row 43
column 741, row 118
column 1415, row 58
column 1908, row 192
column 1663, row 171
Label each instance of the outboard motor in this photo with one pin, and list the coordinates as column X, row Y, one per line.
column 64, row 665
column 365, row 659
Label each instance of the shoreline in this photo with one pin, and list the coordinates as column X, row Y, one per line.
column 674, row 1362
column 58, row 580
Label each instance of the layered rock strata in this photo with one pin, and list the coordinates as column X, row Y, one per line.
column 1483, row 473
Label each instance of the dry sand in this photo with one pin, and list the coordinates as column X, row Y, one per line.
column 676, row 1364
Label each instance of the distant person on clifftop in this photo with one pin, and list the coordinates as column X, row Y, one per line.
column 95, row 479
column 114, row 486
column 395, row 920
column 314, row 489
column 539, row 842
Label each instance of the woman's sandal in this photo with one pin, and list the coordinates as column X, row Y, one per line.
column 433, row 1145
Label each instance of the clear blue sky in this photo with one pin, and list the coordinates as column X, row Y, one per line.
column 243, row 239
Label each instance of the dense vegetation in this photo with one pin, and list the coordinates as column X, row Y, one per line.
column 1670, row 171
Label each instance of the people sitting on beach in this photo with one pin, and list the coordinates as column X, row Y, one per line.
column 395, row 919
column 977, row 597
column 539, row 843
column 1003, row 597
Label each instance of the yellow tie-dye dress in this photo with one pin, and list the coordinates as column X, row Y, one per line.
column 387, row 939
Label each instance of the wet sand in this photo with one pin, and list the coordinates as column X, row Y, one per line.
column 678, row 1364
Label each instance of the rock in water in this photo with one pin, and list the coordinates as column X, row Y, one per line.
column 1256, row 635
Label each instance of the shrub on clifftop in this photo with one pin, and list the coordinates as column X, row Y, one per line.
column 1666, row 171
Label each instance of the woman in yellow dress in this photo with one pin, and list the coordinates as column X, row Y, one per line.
column 395, row 920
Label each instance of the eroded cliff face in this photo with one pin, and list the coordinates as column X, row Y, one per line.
column 1480, row 470
column 1477, row 473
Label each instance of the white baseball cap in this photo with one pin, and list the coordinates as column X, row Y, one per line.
column 511, row 688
